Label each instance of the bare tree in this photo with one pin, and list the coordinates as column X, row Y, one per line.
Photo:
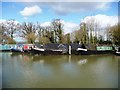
column 66, row 38
column 93, row 27
column 29, row 27
column 53, row 33
column 29, row 31
column 11, row 26
column 114, row 34
column 108, row 32
column 44, row 40
column 2, row 33
column 58, row 30
column 77, row 36
column 84, row 33
column 45, row 33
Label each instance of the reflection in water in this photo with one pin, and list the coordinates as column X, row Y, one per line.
column 69, row 60
column 83, row 61
column 41, row 61
column 25, row 70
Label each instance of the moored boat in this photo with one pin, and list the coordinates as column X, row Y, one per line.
column 99, row 50
column 17, row 48
column 37, row 50
column 42, row 51
column 54, row 52
column 49, row 49
column 27, row 47
column 5, row 47
column 118, row 51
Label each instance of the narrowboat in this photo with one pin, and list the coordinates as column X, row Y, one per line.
column 37, row 50
column 6, row 47
column 27, row 47
column 99, row 50
column 118, row 51
column 49, row 49
column 17, row 48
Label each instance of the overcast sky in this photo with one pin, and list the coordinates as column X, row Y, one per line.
column 72, row 13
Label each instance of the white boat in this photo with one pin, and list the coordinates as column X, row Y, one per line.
column 81, row 49
column 118, row 51
column 37, row 50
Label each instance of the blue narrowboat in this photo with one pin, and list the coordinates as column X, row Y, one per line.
column 17, row 48
column 6, row 47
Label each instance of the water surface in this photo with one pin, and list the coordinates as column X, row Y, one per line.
column 60, row 71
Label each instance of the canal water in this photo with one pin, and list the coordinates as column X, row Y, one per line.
column 60, row 71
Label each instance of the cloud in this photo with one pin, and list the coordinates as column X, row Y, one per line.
column 45, row 24
column 67, row 26
column 30, row 11
column 70, row 27
column 4, row 21
column 66, row 7
column 103, row 20
column 69, row 7
column 103, row 6
column 63, row 8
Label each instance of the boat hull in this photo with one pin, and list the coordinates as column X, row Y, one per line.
column 94, row 52
column 16, row 50
column 34, row 51
column 5, row 50
column 46, row 52
column 117, row 53
column 55, row 52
